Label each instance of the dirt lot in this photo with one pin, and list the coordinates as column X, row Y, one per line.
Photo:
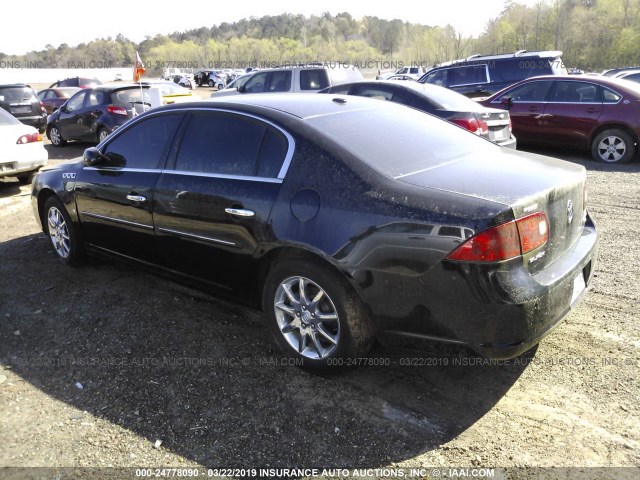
column 107, row 365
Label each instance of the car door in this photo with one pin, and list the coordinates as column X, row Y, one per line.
column 70, row 119
column 114, row 198
column 90, row 113
column 528, row 104
column 212, row 205
column 572, row 112
column 470, row 80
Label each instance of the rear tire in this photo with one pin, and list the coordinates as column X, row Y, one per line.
column 56, row 137
column 102, row 134
column 62, row 232
column 315, row 315
column 613, row 146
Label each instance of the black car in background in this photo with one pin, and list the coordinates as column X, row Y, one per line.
column 483, row 75
column 489, row 123
column 343, row 218
column 21, row 101
column 78, row 82
column 93, row 113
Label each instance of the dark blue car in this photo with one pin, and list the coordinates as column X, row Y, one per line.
column 93, row 113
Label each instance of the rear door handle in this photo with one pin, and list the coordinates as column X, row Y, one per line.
column 593, row 110
column 533, row 108
column 136, row 198
column 240, row 212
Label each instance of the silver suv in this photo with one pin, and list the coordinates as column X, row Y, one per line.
column 296, row 79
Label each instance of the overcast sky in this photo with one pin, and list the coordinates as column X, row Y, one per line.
column 33, row 25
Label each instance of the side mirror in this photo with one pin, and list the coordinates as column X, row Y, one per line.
column 507, row 102
column 242, row 89
column 92, row 157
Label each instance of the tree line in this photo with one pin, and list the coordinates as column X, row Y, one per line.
column 593, row 34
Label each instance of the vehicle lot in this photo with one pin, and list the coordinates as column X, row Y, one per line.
column 159, row 361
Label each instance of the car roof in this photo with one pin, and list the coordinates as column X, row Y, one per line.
column 300, row 105
column 503, row 56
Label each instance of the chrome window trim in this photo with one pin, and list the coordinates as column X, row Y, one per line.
column 224, row 176
column 497, row 100
column 116, row 169
column 291, row 143
column 197, row 237
column 116, row 220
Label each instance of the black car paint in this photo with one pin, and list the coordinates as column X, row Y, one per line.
column 26, row 107
column 331, row 207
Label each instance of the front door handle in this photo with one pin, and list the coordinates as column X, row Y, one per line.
column 534, row 108
column 136, row 198
column 240, row 212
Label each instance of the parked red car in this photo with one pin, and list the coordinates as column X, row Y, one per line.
column 53, row 98
column 597, row 113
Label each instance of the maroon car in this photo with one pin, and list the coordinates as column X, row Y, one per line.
column 52, row 98
column 597, row 113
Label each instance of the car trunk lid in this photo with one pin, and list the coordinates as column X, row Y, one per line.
column 527, row 183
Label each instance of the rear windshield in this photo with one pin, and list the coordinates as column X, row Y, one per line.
column 397, row 140
column 129, row 97
column 445, row 98
column 17, row 94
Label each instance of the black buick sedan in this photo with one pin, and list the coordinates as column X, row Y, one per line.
column 343, row 218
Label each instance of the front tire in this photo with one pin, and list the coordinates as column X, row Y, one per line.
column 56, row 137
column 66, row 242
column 613, row 146
column 315, row 315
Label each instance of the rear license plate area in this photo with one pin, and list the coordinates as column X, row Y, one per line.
column 578, row 286
column 21, row 109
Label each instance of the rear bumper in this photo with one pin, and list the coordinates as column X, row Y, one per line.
column 500, row 311
column 33, row 157
column 38, row 121
column 511, row 143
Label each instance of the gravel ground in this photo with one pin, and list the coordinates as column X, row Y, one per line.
column 108, row 365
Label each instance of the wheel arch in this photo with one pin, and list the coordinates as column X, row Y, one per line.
column 613, row 126
column 286, row 253
column 43, row 196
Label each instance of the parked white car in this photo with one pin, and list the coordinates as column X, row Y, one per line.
column 22, row 152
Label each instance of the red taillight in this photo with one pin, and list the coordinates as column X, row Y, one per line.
column 117, row 110
column 44, row 110
column 29, row 138
column 479, row 127
column 510, row 126
column 505, row 241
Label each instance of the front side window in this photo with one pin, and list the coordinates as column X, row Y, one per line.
column 76, row 102
column 143, row 145
column 530, row 92
column 257, row 83
column 437, row 78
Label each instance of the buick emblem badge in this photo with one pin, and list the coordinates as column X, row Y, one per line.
column 569, row 211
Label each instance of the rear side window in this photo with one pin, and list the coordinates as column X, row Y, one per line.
column 610, row 96
column 272, row 154
column 221, row 143
column 574, row 92
column 145, row 144
column 315, row 79
column 280, row 81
